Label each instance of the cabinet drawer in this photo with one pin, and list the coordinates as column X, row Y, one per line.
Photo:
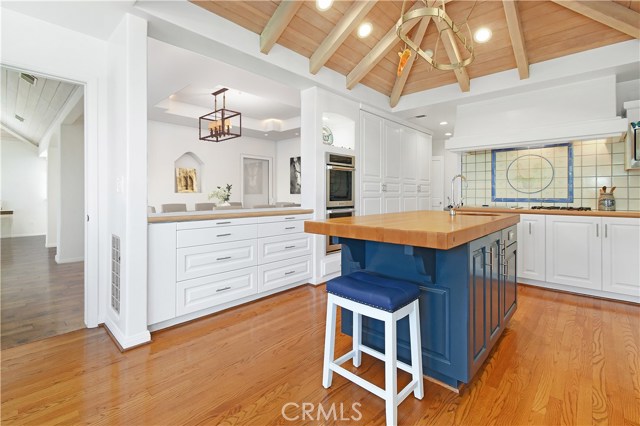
column 194, row 262
column 278, row 274
column 272, row 249
column 280, row 228
column 288, row 218
column 216, row 223
column 222, row 234
column 201, row 293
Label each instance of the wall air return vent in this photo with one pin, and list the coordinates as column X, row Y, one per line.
column 115, row 273
column 20, row 119
column 29, row 78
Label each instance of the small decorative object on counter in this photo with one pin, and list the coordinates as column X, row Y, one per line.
column 222, row 195
column 606, row 201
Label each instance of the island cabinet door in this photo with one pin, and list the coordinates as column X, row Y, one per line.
column 509, row 281
column 478, row 306
column 494, row 290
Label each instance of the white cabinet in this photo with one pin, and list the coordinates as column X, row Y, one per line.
column 279, row 274
column 395, row 167
column 621, row 255
column 574, row 251
column 531, row 247
column 199, row 261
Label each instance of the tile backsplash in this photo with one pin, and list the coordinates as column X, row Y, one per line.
column 595, row 164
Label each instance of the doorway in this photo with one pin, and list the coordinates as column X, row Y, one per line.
column 256, row 181
column 43, row 190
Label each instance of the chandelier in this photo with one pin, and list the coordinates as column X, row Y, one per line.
column 437, row 13
column 221, row 124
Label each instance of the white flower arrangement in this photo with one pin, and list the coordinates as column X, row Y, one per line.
column 222, row 194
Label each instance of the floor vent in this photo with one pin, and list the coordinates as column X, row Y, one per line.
column 115, row 273
column 29, row 78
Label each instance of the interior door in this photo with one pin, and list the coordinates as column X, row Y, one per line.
column 256, row 181
column 437, row 183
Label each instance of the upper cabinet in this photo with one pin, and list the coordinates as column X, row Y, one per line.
column 395, row 166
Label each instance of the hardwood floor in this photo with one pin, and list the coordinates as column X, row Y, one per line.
column 39, row 297
column 565, row 359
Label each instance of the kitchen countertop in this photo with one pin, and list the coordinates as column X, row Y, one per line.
column 431, row 229
column 223, row 214
column 596, row 213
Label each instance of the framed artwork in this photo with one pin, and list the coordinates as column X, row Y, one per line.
column 542, row 174
column 294, row 175
column 186, row 180
column 257, row 180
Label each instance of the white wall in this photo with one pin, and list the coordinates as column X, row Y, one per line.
column 284, row 151
column 23, row 189
column 71, row 208
column 221, row 163
column 53, row 191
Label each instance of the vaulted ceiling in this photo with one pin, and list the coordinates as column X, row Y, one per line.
column 524, row 33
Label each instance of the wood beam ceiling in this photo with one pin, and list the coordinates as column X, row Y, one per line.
column 517, row 37
column 278, row 23
column 396, row 92
column 453, row 52
column 608, row 13
column 336, row 37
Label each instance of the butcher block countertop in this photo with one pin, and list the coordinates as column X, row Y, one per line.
column 431, row 229
column 551, row 212
column 223, row 214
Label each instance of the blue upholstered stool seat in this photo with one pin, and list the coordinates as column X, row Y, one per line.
column 379, row 292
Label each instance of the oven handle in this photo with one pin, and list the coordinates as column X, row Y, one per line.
column 341, row 168
column 341, row 211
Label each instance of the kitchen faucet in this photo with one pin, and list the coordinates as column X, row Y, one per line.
column 455, row 205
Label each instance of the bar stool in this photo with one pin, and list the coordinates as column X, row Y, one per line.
column 387, row 300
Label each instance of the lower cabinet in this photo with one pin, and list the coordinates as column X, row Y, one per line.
column 621, row 256
column 531, row 240
column 199, row 267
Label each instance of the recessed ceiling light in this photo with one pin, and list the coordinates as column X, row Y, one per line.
column 172, row 97
column 448, row 134
column 428, row 52
column 364, row 29
column 323, row 5
column 444, row 123
column 482, row 35
column 266, row 134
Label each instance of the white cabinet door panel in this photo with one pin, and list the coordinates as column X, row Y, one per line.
column 202, row 293
column 371, row 146
column 194, row 262
column 267, row 219
column 222, row 234
column 574, row 251
column 280, row 228
column 531, row 247
column 371, row 205
column 273, row 249
column 278, row 274
column 621, row 256
column 216, row 223
column 393, row 135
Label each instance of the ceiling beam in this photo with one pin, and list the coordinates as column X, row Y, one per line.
column 453, row 52
column 398, row 86
column 517, row 37
column 379, row 51
column 338, row 35
column 608, row 13
column 278, row 23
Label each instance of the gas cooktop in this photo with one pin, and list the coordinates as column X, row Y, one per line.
column 578, row 209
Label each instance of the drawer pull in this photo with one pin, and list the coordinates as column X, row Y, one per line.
column 290, row 272
column 289, row 247
column 224, row 258
column 223, row 223
column 289, row 218
column 290, row 227
column 222, row 235
column 223, row 289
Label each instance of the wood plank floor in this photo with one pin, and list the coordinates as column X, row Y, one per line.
column 565, row 359
column 39, row 297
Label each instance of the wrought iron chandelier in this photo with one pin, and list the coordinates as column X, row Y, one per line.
column 221, row 124
column 436, row 13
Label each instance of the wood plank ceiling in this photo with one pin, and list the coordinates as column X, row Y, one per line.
column 524, row 32
column 28, row 110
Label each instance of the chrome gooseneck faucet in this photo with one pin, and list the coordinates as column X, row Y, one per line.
column 455, row 205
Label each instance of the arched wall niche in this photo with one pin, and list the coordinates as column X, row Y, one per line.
column 189, row 172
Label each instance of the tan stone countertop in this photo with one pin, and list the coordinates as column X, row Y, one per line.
column 431, row 229
column 595, row 213
column 223, row 214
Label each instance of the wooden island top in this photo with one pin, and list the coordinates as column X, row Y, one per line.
column 431, row 229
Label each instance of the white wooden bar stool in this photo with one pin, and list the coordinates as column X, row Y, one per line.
column 388, row 300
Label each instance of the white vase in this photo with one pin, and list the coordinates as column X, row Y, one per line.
column 224, row 203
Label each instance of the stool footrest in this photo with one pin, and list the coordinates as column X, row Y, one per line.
column 370, row 351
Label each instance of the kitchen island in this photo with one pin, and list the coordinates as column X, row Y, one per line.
column 465, row 267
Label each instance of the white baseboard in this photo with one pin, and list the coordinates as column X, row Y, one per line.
column 580, row 291
column 72, row 260
column 123, row 340
column 23, row 235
